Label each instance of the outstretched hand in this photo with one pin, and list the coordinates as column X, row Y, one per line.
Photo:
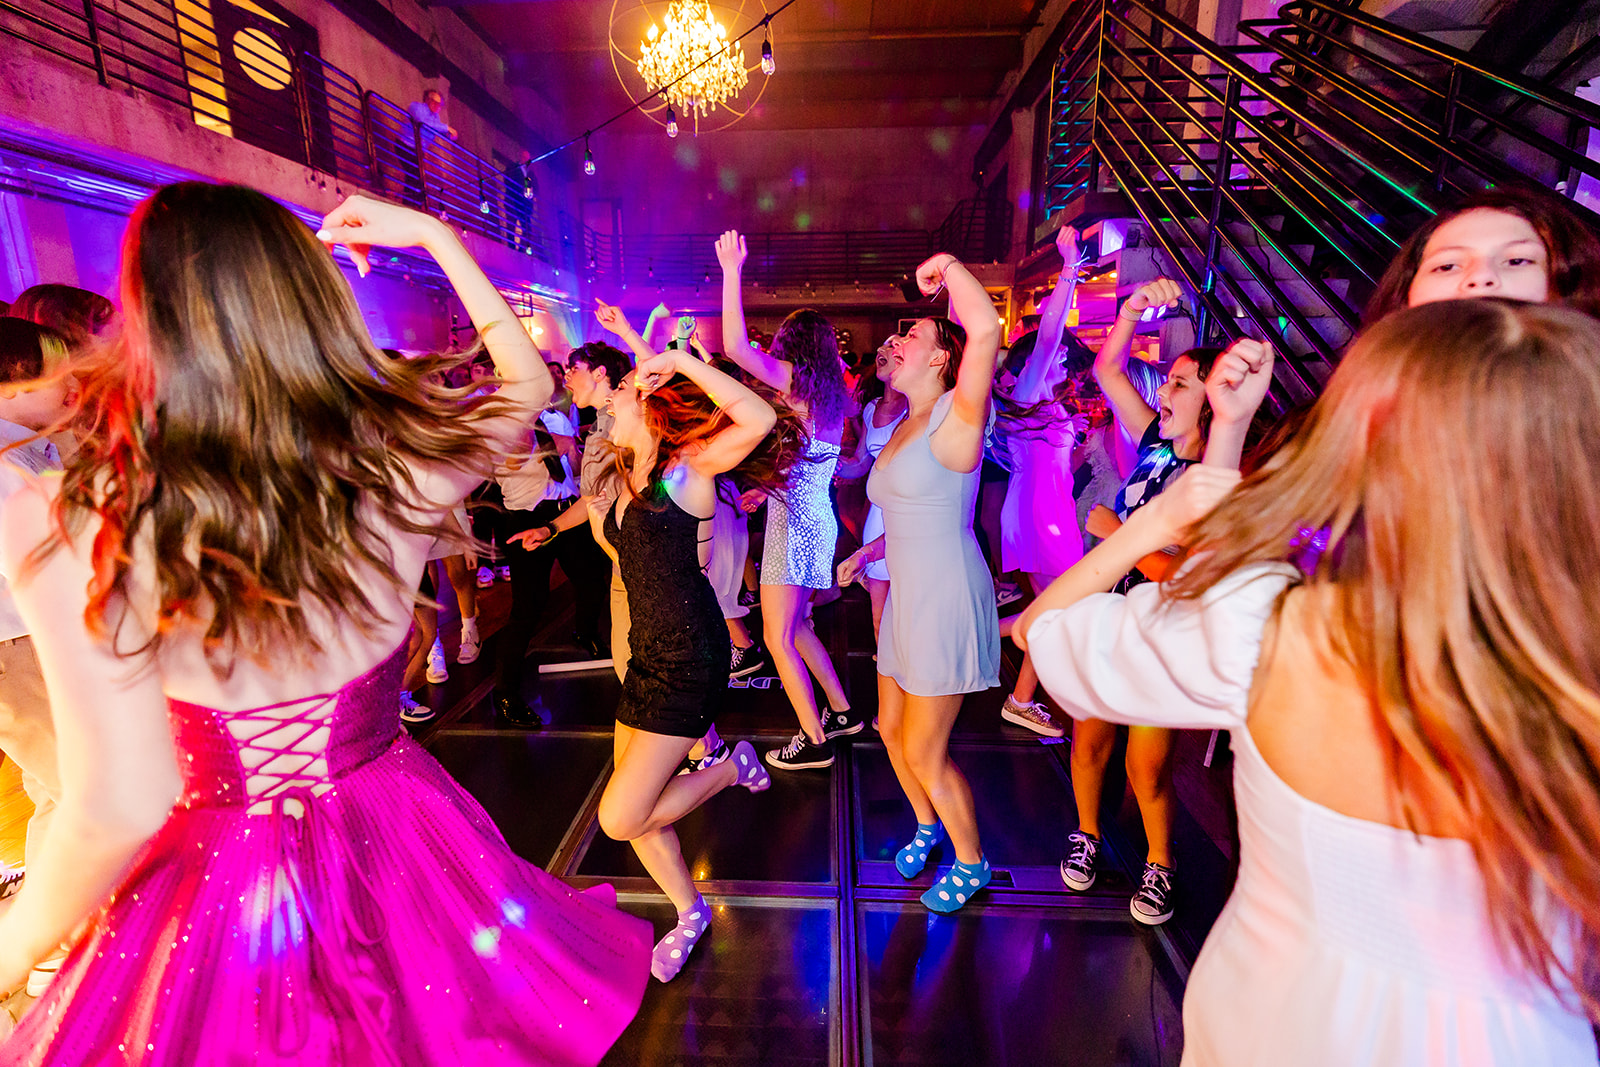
column 362, row 223
column 852, row 567
column 654, row 371
column 610, row 316
column 732, row 251
column 930, row 275
column 531, row 539
column 1239, row 380
column 1163, row 292
column 1067, row 245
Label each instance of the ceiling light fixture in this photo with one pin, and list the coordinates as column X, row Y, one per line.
column 691, row 61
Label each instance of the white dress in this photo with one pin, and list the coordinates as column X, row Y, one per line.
column 873, row 438
column 1345, row 942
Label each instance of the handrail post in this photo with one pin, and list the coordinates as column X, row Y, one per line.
column 420, row 147
column 1230, row 126
column 1091, row 184
column 94, row 43
column 1448, row 134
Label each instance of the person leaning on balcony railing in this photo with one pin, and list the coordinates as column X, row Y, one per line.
column 429, row 114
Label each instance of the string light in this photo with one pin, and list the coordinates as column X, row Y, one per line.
column 768, row 64
column 672, row 122
column 588, row 156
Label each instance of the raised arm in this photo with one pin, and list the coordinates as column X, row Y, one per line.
column 752, row 417
column 1111, row 362
column 119, row 774
column 1044, row 367
column 1158, row 524
column 611, row 317
column 1235, row 388
column 731, row 253
column 361, row 223
column 957, row 442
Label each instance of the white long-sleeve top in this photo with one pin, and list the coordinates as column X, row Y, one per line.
column 1345, row 942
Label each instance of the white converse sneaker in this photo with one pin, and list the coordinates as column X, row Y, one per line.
column 438, row 670
column 471, row 645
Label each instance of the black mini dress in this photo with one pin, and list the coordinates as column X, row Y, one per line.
column 677, row 676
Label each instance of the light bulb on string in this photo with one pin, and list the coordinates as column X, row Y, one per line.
column 672, row 122
column 768, row 64
column 588, row 156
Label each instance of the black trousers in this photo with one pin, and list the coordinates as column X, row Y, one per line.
column 582, row 560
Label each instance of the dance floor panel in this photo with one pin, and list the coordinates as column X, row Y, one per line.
column 1016, row 986
column 761, row 989
column 820, row 953
column 532, row 786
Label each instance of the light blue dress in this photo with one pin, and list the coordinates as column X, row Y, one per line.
column 941, row 631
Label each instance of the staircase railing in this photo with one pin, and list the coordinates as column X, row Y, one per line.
column 1279, row 176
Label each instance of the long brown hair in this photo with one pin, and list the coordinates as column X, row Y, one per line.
column 247, row 435
column 1573, row 249
column 680, row 414
column 1454, row 466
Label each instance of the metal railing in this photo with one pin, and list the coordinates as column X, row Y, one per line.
column 788, row 259
column 239, row 74
column 1278, row 177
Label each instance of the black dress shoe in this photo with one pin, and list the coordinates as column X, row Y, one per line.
column 517, row 712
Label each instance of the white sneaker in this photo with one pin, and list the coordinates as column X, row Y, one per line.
column 505, row 574
column 471, row 645
column 43, row 974
column 485, row 577
column 438, row 670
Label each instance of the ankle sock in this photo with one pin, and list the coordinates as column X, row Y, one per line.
column 911, row 859
column 672, row 951
column 752, row 774
column 958, row 886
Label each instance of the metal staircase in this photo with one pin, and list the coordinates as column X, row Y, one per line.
column 1278, row 177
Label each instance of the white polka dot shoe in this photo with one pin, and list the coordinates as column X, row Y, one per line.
column 959, row 885
column 752, row 775
column 672, row 951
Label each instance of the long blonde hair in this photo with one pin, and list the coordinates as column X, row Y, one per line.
column 247, row 434
column 1454, row 465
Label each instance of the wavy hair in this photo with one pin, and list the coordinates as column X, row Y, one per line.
column 808, row 342
column 245, row 436
column 1464, row 588
column 1569, row 241
column 680, row 414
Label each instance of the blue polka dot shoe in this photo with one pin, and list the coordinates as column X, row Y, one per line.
column 914, row 856
column 672, row 951
column 959, row 884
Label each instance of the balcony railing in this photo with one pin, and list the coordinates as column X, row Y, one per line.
column 971, row 231
column 240, row 74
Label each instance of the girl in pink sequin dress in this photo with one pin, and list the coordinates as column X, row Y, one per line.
column 273, row 872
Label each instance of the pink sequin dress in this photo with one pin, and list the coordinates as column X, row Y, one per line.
column 324, row 893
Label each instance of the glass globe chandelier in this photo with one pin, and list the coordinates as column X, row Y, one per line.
column 688, row 37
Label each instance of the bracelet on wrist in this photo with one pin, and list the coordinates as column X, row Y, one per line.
column 1122, row 313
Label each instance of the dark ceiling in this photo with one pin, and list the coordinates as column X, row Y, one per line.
column 842, row 64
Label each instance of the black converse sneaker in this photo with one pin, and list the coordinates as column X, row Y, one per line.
column 1077, row 870
column 842, row 723
column 747, row 661
column 801, row 754
column 1152, row 905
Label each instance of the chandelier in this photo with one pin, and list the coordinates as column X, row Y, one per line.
column 692, row 46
